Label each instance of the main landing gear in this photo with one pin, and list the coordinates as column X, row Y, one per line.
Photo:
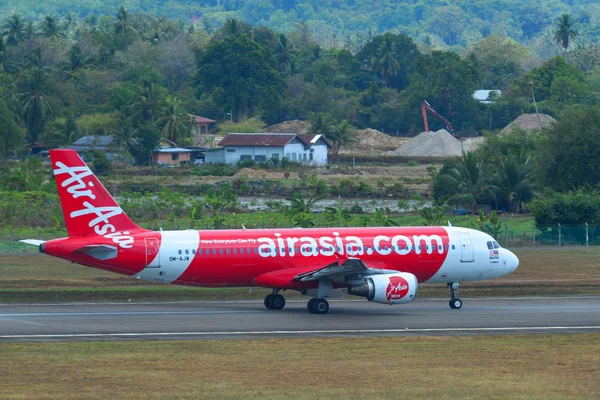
column 455, row 302
column 275, row 301
column 317, row 306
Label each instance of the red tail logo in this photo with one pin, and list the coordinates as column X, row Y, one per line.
column 87, row 206
column 397, row 288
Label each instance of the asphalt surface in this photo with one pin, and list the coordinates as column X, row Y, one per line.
column 249, row 319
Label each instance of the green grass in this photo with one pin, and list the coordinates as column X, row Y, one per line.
column 490, row 367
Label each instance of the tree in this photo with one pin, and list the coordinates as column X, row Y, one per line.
column 143, row 108
column 7, row 63
column 385, row 49
column 564, row 30
column 385, row 63
column 12, row 134
column 567, row 153
column 447, row 82
column 14, row 29
column 35, row 108
column 466, row 181
column 240, row 74
column 515, row 180
column 50, row 28
column 321, row 123
column 121, row 24
column 341, row 134
column 175, row 121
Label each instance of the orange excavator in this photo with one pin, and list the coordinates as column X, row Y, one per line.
column 425, row 106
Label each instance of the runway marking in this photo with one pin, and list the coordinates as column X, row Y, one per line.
column 306, row 332
column 89, row 314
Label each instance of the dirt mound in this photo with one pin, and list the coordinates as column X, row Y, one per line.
column 295, row 126
column 372, row 140
column 528, row 122
column 472, row 143
column 431, row 144
column 253, row 173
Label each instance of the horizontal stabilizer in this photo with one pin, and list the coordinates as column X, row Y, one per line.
column 100, row 251
column 34, row 242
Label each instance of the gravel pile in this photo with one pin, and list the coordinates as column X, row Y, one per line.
column 431, row 144
column 528, row 122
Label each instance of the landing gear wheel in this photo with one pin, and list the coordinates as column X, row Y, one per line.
column 268, row 301
column 310, row 304
column 318, row 306
column 274, row 302
column 455, row 304
column 277, row 302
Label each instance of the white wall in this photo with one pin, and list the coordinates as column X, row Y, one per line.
column 216, row 156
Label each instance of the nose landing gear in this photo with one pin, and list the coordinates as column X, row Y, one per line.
column 455, row 302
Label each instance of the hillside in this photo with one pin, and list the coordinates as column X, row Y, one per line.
column 352, row 23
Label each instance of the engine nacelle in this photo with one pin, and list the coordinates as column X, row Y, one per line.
column 398, row 288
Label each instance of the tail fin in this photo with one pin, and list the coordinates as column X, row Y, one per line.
column 87, row 206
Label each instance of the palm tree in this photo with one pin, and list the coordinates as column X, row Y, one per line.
column 35, row 108
column 77, row 59
column 121, row 23
column 283, row 53
column 320, row 123
column 515, row 180
column 385, row 63
column 564, row 30
column 6, row 63
column 14, row 29
column 50, row 29
column 176, row 123
column 341, row 134
column 471, row 179
column 143, row 107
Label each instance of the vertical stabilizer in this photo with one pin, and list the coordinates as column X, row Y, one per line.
column 87, row 206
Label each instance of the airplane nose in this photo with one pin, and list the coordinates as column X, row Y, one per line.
column 513, row 261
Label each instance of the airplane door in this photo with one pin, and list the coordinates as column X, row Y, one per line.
column 152, row 259
column 466, row 248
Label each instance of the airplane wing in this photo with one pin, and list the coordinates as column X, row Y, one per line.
column 341, row 271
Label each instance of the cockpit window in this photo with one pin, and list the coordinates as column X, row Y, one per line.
column 490, row 245
column 496, row 245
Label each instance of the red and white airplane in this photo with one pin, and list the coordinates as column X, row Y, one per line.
column 384, row 265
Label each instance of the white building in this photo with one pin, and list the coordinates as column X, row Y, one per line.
column 306, row 149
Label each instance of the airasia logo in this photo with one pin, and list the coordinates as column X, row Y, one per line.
column 101, row 216
column 396, row 289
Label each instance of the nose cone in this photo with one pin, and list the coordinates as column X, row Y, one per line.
column 513, row 260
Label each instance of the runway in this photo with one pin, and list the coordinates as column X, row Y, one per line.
column 249, row 319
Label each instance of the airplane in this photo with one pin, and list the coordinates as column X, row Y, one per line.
column 383, row 265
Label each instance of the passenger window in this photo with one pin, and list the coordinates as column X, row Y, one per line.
column 228, row 250
column 193, row 251
column 214, row 251
column 220, row 251
column 242, row 250
column 179, row 251
column 187, row 252
column 234, row 251
column 200, row 251
column 453, row 247
column 440, row 247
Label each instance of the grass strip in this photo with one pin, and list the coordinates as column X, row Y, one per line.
column 473, row 367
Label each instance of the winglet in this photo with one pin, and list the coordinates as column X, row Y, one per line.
column 449, row 223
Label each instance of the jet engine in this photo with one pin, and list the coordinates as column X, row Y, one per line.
column 395, row 288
